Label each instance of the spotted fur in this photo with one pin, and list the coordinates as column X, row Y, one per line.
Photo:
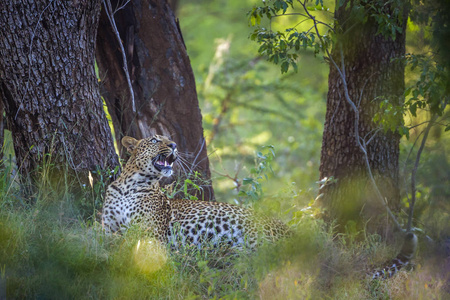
column 137, row 197
column 402, row 260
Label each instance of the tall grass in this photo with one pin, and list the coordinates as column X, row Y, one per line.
column 50, row 250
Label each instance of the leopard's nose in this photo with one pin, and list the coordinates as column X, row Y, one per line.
column 173, row 146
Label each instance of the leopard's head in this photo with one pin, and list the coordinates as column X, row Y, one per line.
column 152, row 156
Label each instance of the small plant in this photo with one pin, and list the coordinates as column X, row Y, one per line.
column 6, row 183
column 94, row 193
column 190, row 187
column 190, row 184
column 252, row 190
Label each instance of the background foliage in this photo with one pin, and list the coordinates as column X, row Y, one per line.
column 246, row 104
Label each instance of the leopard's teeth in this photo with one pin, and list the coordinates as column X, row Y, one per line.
column 166, row 163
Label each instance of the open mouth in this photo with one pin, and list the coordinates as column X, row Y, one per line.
column 163, row 162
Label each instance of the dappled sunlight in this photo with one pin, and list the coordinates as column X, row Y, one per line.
column 149, row 255
column 263, row 138
column 289, row 282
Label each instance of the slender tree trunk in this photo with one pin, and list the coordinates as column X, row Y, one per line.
column 49, row 87
column 165, row 97
column 370, row 72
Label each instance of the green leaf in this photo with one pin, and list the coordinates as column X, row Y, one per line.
column 247, row 181
column 275, row 58
column 413, row 109
column 242, row 193
column 284, row 67
column 116, row 169
column 260, row 155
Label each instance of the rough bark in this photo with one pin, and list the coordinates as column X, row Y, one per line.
column 162, row 79
column 370, row 71
column 2, row 130
column 49, row 87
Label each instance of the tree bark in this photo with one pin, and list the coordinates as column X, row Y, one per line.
column 49, row 87
column 370, row 72
column 2, row 131
column 162, row 79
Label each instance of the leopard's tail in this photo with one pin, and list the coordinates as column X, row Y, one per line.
column 402, row 260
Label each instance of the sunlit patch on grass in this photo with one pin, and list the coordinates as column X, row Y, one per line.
column 289, row 282
column 149, row 256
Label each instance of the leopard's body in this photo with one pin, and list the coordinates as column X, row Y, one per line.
column 136, row 196
column 193, row 222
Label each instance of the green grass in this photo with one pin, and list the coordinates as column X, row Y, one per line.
column 50, row 250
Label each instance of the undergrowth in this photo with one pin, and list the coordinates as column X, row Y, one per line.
column 50, row 250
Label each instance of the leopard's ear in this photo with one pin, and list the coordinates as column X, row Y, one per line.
column 129, row 143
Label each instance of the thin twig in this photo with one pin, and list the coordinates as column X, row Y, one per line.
column 406, row 164
column 110, row 15
column 414, row 172
column 303, row 15
column 373, row 135
column 425, row 122
column 416, row 166
column 121, row 7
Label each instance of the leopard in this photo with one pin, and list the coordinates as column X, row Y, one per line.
column 136, row 197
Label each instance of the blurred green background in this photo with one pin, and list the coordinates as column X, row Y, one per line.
column 247, row 104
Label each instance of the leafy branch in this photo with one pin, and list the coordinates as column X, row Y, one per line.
column 283, row 46
column 249, row 189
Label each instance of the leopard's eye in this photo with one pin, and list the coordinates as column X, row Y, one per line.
column 154, row 141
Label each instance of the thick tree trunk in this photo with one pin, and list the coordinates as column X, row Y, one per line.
column 2, row 130
column 162, row 79
column 49, row 87
column 370, row 72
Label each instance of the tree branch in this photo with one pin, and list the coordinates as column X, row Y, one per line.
column 110, row 14
column 414, row 172
column 416, row 166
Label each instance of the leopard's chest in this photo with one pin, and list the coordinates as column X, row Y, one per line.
column 121, row 208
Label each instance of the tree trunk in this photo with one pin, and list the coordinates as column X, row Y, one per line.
column 371, row 72
column 49, row 87
column 2, row 130
column 163, row 82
